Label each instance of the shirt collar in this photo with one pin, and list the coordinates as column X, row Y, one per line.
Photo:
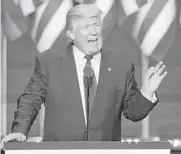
column 80, row 55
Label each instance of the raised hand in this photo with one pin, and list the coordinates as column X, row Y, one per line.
column 153, row 77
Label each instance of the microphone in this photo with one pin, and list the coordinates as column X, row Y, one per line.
column 88, row 73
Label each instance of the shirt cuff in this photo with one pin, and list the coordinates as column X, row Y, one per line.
column 152, row 99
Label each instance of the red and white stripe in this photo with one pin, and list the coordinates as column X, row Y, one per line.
column 108, row 9
column 129, row 7
column 14, row 20
column 105, row 6
column 29, row 6
column 155, row 27
column 14, row 24
column 49, row 22
column 50, row 18
column 114, row 10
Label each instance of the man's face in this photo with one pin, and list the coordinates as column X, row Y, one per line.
column 88, row 37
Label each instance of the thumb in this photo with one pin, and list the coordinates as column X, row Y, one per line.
column 2, row 145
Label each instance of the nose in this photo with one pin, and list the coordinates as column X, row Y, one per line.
column 94, row 30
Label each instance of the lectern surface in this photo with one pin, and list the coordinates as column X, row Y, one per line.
column 87, row 147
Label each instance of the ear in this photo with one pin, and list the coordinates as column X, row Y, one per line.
column 70, row 35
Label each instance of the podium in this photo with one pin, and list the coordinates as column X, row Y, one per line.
column 84, row 147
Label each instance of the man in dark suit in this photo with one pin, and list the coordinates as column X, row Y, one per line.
column 85, row 87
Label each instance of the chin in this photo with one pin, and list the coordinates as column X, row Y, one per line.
column 94, row 52
column 92, row 49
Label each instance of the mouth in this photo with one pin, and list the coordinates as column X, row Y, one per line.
column 93, row 41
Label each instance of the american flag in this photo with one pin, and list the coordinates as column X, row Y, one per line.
column 13, row 16
column 151, row 34
column 29, row 6
column 156, row 27
column 48, row 26
column 129, row 7
column 49, row 22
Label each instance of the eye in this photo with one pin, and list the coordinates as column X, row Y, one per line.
column 97, row 24
column 86, row 26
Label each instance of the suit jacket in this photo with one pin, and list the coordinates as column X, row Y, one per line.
column 55, row 82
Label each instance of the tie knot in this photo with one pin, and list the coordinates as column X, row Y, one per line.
column 88, row 57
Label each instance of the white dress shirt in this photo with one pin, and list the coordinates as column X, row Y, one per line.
column 80, row 62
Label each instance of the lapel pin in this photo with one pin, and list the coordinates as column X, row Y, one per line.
column 109, row 69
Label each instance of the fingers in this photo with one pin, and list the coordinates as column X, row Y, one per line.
column 163, row 76
column 160, row 70
column 14, row 136
column 158, row 66
column 9, row 137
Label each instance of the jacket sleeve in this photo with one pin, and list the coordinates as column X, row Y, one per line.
column 135, row 106
column 29, row 103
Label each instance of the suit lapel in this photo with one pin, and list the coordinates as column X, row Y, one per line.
column 103, row 84
column 71, row 84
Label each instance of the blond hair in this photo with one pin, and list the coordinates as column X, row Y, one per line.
column 82, row 11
